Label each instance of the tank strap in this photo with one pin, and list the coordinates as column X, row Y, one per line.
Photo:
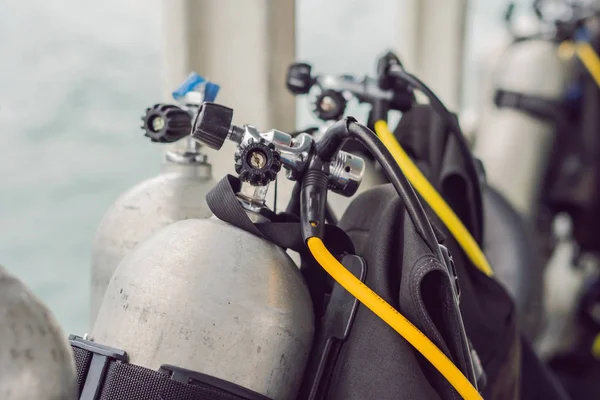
column 103, row 373
column 284, row 229
column 537, row 107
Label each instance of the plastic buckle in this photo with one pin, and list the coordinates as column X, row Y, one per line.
column 101, row 356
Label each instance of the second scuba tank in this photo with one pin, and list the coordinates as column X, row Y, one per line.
column 515, row 139
column 177, row 193
column 35, row 359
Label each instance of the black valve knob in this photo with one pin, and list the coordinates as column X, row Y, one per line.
column 330, row 105
column 299, row 79
column 385, row 62
column 166, row 123
column 212, row 124
column 257, row 162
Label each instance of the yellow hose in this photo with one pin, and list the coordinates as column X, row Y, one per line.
column 433, row 198
column 586, row 54
column 393, row 318
column 596, row 347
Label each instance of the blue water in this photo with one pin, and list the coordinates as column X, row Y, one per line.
column 75, row 77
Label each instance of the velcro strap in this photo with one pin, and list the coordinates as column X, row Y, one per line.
column 105, row 374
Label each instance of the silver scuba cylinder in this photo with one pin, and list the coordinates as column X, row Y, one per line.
column 35, row 359
column 513, row 145
column 207, row 296
column 177, row 193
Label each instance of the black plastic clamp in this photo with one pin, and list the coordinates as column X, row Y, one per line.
column 101, row 356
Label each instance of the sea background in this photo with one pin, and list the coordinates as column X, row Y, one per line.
column 75, row 76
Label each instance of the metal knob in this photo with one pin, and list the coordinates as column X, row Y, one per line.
column 346, row 173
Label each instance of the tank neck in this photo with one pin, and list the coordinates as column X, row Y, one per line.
column 201, row 170
column 253, row 200
column 185, row 151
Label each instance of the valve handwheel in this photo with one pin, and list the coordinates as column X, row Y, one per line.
column 257, row 162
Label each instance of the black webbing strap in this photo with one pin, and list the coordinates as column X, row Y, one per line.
column 103, row 373
column 284, row 229
column 537, row 107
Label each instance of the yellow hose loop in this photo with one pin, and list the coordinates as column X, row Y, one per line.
column 434, row 199
column 393, row 318
column 586, row 54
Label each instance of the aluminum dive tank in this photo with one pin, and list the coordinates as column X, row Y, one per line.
column 36, row 361
column 177, row 193
column 514, row 145
column 204, row 295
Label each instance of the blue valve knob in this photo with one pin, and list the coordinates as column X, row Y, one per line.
column 192, row 82
column 210, row 91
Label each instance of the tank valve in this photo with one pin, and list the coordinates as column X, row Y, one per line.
column 384, row 91
column 262, row 154
column 166, row 123
column 257, row 162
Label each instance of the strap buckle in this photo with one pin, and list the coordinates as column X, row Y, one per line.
column 101, row 356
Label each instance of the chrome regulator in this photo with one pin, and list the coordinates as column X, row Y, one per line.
column 261, row 155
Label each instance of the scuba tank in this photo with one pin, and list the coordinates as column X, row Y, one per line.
column 206, row 296
column 35, row 360
column 487, row 63
column 514, row 140
column 177, row 193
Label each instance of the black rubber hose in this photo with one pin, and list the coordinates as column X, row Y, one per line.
column 293, row 206
column 452, row 124
column 348, row 128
